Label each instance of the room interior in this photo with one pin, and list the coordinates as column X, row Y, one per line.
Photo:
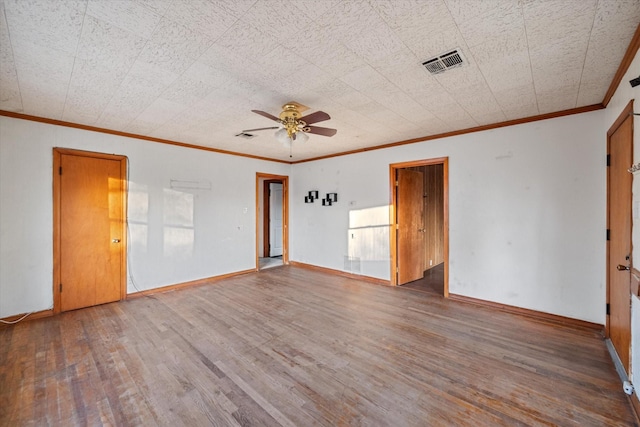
column 511, row 141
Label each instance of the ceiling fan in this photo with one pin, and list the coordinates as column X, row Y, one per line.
column 294, row 126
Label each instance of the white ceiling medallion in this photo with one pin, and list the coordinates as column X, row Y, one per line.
column 444, row 62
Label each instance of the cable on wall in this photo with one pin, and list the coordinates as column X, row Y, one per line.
column 13, row 322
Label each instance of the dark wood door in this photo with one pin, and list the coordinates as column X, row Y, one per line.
column 91, row 231
column 410, row 218
column 619, row 246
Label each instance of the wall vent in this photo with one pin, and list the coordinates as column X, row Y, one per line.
column 246, row 135
column 444, row 62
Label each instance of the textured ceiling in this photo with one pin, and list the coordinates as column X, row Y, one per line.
column 191, row 70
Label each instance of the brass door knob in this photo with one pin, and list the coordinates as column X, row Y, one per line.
column 621, row 267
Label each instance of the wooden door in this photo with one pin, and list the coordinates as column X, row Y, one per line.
column 433, row 215
column 410, row 217
column 619, row 182
column 275, row 219
column 91, row 230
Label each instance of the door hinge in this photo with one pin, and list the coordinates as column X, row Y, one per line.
column 608, row 159
column 397, row 270
column 608, row 234
column 60, row 170
column 60, row 287
column 608, row 309
column 396, row 183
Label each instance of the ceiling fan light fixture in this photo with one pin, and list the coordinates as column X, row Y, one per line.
column 301, row 137
column 282, row 136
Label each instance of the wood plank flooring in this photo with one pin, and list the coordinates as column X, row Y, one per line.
column 294, row 347
column 432, row 281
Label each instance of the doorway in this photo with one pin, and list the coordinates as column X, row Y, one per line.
column 271, row 220
column 89, row 221
column 419, row 225
column 619, row 222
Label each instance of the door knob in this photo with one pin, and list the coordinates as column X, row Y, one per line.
column 116, row 240
column 621, row 267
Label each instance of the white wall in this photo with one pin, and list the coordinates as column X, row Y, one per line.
column 221, row 241
column 527, row 213
column 624, row 93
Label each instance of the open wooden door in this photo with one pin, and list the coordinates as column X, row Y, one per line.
column 410, row 218
column 619, row 196
column 407, row 193
column 272, row 217
column 89, row 229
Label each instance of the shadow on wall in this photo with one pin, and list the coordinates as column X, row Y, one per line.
column 138, row 217
column 368, row 242
column 178, row 232
column 178, row 229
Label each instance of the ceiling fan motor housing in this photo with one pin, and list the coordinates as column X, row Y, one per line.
column 289, row 113
column 290, row 118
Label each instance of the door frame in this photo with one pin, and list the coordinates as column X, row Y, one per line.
column 284, row 179
column 624, row 115
column 266, row 214
column 393, row 167
column 57, row 161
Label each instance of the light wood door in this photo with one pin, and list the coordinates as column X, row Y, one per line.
column 410, row 218
column 275, row 219
column 619, row 250
column 91, row 231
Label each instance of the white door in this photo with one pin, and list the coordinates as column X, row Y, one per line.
column 275, row 219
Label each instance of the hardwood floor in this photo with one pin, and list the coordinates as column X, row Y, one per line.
column 270, row 262
column 289, row 346
column 432, row 281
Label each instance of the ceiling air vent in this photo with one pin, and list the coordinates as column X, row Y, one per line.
column 444, row 62
column 246, row 135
